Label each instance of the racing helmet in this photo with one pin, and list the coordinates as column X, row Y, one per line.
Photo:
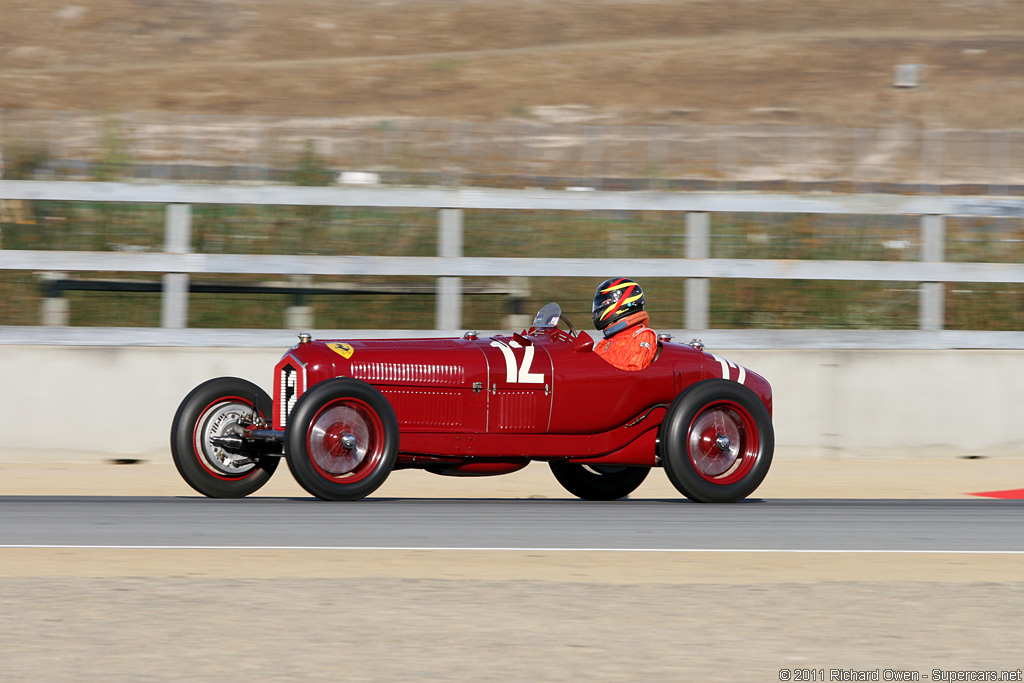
column 615, row 299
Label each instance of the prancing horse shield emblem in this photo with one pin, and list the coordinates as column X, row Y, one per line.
column 343, row 350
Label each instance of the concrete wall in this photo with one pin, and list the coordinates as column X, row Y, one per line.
column 98, row 402
column 87, row 402
column 894, row 403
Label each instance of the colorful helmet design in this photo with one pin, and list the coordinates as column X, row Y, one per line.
column 615, row 299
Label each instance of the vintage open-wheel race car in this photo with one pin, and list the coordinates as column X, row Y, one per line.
column 347, row 413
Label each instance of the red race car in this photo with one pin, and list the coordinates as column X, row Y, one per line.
column 345, row 414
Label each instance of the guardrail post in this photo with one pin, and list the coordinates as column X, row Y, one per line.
column 448, row 315
column 56, row 308
column 177, row 240
column 698, row 246
column 932, row 294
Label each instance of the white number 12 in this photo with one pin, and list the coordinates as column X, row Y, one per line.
column 521, row 374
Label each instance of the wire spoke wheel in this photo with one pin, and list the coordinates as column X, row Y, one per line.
column 716, row 442
column 346, row 440
column 723, row 443
column 342, row 439
column 222, row 419
column 218, row 408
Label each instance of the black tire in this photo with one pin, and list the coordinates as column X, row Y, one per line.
column 716, row 442
column 332, row 411
column 213, row 408
column 598, row 482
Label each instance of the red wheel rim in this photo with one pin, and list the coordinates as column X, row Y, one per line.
column 723, row 443
column 218, row 418
column 345, row 441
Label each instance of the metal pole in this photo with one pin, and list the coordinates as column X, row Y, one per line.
column 448, row 315
column 177, row 240
column 932, row 294
column 698, row 246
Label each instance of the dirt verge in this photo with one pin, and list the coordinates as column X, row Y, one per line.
column 615, row 61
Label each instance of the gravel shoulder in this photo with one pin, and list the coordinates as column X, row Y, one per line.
column 214, row 615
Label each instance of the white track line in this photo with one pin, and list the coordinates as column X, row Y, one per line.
column 509, row 549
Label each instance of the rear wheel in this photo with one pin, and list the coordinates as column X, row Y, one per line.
column 717, row 442
column 219, row 407
column 342, row 439
column 598, row 482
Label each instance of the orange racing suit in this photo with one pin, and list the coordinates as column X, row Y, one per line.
column 631, row 349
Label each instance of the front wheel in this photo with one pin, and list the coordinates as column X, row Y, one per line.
column 342, row 439
column 598, row 482
column 717, row 442
column 219, row 407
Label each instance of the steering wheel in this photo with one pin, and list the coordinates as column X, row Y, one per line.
column 568, row 323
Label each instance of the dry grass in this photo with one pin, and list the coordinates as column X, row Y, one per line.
column 829, row 62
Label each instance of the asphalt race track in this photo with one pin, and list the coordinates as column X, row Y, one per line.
column 753, row 525
column 167, row 586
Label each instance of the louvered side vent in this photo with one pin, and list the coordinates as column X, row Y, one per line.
column 411, row 343
column 410, row 373
column 517, row 410
column 420, row 409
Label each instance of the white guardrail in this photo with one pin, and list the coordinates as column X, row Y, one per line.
column 843, row 394
column 177, row 262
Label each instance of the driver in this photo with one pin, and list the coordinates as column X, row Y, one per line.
column 628, row 343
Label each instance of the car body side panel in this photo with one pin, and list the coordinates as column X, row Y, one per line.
column 635, row 443
column 432, row 384
column 519, row 386
column 592, row 395
column 716, row 366
column 541, row 395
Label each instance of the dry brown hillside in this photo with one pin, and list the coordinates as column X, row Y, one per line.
column 794, row 62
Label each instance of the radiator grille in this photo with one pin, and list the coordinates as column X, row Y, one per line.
column 289, row 392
